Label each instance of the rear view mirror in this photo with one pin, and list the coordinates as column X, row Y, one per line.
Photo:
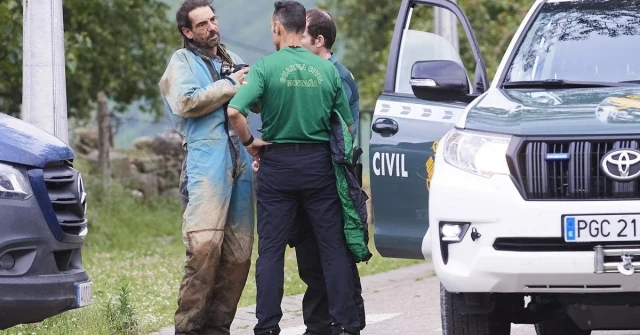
column 439, row 80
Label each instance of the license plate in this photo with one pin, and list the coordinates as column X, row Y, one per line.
column 83, row 294
column 601, row 228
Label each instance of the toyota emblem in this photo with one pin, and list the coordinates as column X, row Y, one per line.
column 622, row 164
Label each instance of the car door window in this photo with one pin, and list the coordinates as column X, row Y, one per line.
column 422, row 41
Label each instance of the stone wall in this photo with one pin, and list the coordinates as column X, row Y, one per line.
column 151, row 169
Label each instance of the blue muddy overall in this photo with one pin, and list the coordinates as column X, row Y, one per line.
column 218, row 221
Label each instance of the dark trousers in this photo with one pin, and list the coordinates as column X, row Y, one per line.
column 315, row 305
column 293, row 178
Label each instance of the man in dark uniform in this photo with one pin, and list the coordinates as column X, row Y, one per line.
column 298, row 92
column 319, row 38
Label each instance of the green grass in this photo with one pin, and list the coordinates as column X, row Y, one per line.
column 134, row 255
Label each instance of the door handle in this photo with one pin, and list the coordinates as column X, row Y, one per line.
column 385, row 127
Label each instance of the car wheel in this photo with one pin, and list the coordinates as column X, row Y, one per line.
column 559, row 327
column 456, row 323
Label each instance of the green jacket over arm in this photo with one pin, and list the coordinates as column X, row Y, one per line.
column 352, row 197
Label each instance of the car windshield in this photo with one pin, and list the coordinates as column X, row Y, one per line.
column 591, row 41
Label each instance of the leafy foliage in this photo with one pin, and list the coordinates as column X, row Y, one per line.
column 10, row 56
column 367, row 26
column 118, row 46
column 122, row 46
column 120, row 314
column 494, row 23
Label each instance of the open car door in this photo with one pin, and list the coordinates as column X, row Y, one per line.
column 411, row 116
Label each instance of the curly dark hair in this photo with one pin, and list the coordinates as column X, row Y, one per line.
column 182, row 16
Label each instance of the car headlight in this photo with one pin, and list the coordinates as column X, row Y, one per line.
column 475, row 152
column 13, row 183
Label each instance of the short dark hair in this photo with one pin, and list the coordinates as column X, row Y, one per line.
column 291, row 14
column 321, row 23
column 182, row 16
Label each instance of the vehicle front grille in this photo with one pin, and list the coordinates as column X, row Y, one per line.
column 570, row 170
column 547, row 244
column 68, row 196
column 574, row 287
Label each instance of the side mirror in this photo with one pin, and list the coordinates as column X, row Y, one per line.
column 439, row 80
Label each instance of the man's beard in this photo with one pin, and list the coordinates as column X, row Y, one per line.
column 207, row 42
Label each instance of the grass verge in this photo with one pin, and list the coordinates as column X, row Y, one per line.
column 134, row 256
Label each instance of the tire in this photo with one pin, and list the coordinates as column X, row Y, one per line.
column 455, row 323
column 559, row 327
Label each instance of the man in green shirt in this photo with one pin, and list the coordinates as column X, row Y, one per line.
column 319, row 38
column 297, row 91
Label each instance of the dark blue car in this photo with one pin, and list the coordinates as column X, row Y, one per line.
column 43, row 224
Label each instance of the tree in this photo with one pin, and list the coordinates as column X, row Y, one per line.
column 10, row 56
column 367, row 26
column 120, row 47
column 494, row 24
column 365, row 29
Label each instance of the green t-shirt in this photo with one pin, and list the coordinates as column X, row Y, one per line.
column 297, row 91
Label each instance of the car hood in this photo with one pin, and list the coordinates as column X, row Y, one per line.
column 581, row 111
column 23, row 143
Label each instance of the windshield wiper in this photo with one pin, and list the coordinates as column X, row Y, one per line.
column 558, row 83
column 631, row 81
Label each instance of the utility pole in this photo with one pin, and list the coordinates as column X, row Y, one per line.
column 44, row 87
column 104, row 127
column 446, row 25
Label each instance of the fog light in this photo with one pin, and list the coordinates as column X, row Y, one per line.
column 453, row 232
column 7, row 262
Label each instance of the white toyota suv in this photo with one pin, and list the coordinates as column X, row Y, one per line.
column 524, row 192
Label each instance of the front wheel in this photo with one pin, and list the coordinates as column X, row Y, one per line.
column 456, row 323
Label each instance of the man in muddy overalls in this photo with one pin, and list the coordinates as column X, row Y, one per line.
column 217, row 227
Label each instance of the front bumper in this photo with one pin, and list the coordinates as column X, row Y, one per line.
column 38, row 273
column 495, row 262
column 35, row 298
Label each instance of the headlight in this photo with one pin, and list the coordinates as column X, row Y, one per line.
column 475, row 152
column 13, row 183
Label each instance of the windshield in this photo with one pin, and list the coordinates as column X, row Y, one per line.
column 594, row 41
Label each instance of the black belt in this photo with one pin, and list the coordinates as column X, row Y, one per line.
column 296, row 147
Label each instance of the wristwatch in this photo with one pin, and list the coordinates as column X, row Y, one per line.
column 248, row 143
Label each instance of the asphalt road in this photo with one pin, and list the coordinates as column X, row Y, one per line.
column 404, row 301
